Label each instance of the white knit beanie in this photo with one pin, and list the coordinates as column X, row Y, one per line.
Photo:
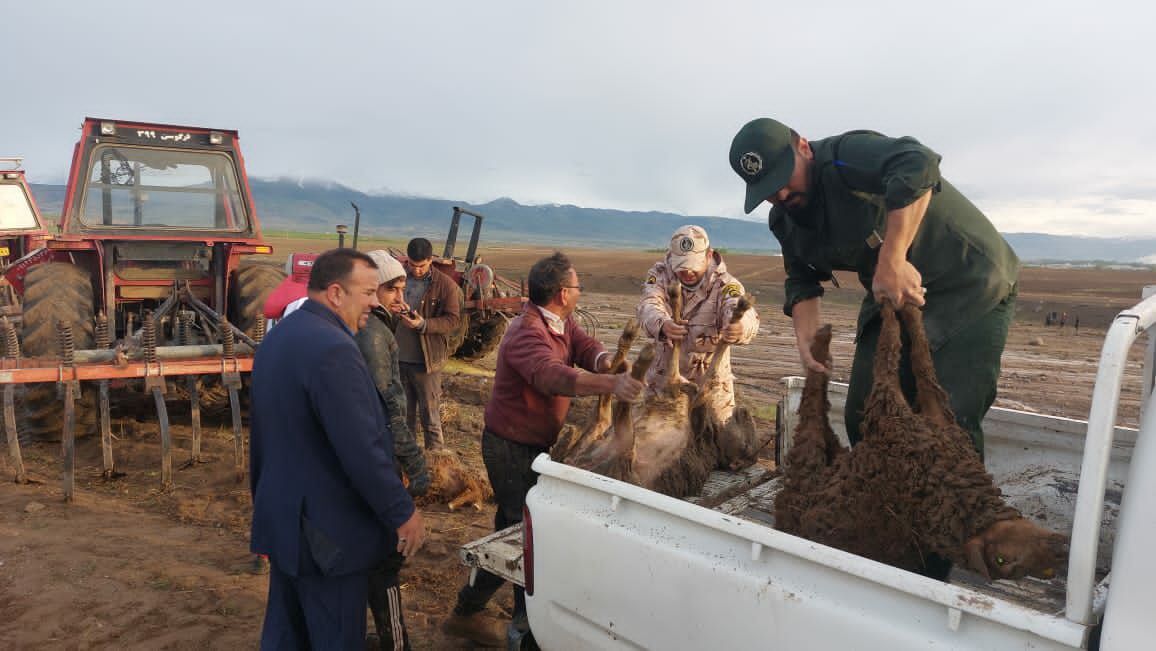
column 388, row 267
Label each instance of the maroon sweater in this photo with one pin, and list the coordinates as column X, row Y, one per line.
column 536, row 376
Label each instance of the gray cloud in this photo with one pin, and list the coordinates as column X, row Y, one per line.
column 607, row 104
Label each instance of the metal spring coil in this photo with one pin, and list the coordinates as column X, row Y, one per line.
column 149, row 337
column 66, row 342
column 11, row 341
column 101, row 331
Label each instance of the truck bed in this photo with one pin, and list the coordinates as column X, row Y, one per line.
column 749, row 494
column 757, row 505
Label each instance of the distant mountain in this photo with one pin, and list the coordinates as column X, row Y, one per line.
column 317, row 206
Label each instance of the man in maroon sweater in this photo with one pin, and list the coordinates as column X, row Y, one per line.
column 533, row 384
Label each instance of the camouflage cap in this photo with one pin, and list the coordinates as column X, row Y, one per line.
column 688, row 248
column 763, row 155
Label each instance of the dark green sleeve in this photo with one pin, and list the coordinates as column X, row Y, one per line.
column 898, row 169
column 803, row 280
column 802, row 284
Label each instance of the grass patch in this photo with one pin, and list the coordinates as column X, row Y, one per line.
column 465, row 368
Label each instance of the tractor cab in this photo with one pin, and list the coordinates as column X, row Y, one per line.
column 22, row 229
column 155, row 224
column 150, row 206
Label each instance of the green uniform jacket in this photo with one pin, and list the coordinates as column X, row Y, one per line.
column 379, row 348
column 967, row 266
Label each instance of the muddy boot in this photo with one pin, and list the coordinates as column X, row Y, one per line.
column 477, row 627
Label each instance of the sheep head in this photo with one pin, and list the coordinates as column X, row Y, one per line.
column 1015, row 548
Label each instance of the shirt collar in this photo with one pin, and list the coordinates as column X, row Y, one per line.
column 555, row 323
column 326, row 313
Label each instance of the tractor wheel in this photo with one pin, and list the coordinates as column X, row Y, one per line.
column 56, row 292
column 484, row 335
column 250, row 286
column 455, row 338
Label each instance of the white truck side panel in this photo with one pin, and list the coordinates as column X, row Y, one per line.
column 721, row 582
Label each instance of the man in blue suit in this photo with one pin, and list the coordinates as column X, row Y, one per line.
column 327, row 501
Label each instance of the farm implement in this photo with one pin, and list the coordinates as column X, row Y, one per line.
column 145, row 282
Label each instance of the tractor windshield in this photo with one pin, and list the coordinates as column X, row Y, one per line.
column 15, row 210
column 142, row 187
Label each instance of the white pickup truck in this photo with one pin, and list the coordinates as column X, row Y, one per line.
column 609, row 565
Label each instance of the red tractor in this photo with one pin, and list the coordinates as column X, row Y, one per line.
column 156, row 219
column 21, row 228
column 489, row 300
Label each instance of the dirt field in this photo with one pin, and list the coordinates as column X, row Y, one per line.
column 130, row 566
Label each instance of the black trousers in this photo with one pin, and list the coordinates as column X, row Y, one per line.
column 508, row 466
column 314, row 612
column 385, row 603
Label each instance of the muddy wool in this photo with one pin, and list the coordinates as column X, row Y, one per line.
column 669, row 444
column 914, row 487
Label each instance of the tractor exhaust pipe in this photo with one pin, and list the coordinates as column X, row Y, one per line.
column 356, row 223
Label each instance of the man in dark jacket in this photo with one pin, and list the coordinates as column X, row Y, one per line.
column 379, row 348
column 423, row 338
column 878, row 206
column 327, row 501
column 533, row 383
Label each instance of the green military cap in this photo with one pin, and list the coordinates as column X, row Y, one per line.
column 763, row 156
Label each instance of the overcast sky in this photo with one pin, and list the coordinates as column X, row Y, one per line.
column 1043, row 111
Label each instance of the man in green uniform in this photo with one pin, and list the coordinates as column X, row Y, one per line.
column 878, row 206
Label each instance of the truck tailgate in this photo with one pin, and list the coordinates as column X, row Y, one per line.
column 500, row 553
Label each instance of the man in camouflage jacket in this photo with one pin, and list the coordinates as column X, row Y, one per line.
column 709, row 296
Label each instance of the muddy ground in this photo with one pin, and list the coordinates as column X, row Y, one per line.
column 128, row 565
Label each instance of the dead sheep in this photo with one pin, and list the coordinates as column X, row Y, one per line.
column 915, row 487
column 453, row 482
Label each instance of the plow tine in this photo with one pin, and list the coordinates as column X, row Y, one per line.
column 155, row 384
column 231, row 378
column 238, row 439
column 102, row 342
column 13, row 438
column 11, row 345
column 166, row 437
column 195, row 413
column 185, row 338
column 67, row 347
column 68, row 439
column 105, row 430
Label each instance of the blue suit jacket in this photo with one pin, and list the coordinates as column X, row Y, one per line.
column 326, row 497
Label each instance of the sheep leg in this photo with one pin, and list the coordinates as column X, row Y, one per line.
column 674, row 378
column 625, row 341
column 744, row 304
column 573, row 440
column 613, row 455
column 931, row 400
column 472, row 495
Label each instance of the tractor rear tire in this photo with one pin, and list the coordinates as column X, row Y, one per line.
column 484, row 335
column 248, row 290
column 53, row 292
column 454, row 339
column 249, row 287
